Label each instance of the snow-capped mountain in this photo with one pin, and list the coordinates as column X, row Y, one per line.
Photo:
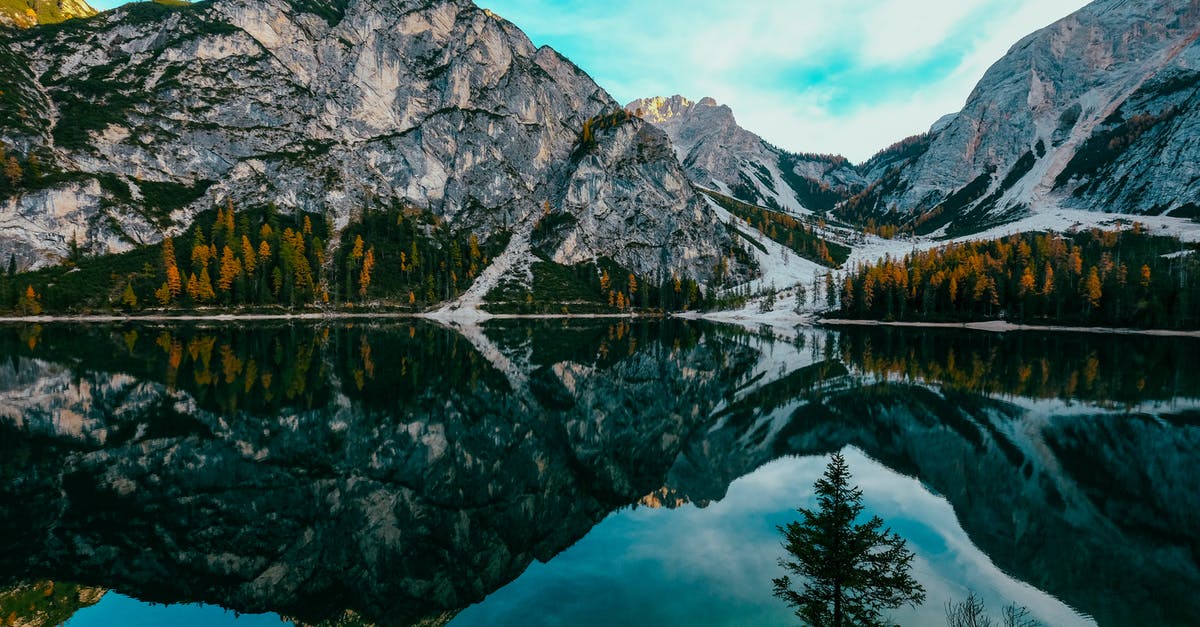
column 719, row 154
column 1098, row 111
column 150, row 113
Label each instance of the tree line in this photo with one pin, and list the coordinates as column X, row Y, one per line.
column 1115, row 278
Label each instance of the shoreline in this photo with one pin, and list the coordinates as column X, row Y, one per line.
column 1001, row 326
column 474, row 316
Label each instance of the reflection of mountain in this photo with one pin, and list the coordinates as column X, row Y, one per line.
column 397, row 472
column 1099, row 507
column 404, row 494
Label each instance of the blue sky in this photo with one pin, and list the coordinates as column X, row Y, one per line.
column 809, row 75
column 846, row 77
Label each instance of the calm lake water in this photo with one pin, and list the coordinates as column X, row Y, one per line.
column 589, row 472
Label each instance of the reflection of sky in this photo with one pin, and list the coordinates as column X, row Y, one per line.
column 117, row 609
column 713, row 566
column 696, row 567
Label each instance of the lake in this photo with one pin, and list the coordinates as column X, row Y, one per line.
column 582, row 472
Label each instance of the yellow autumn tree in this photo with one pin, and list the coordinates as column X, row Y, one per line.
column 231, row 269
column 163, row 294
column 364, row 276
column 248, row 260
column 1028, row 281
column 204, row 288
column 1092, row 288
column 30, row 302
column 193, row 287
column 128, row 297
column 174, row 280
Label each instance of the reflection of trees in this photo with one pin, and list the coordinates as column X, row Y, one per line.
column 395, row 470
column 281, row 484
column 1105, row 369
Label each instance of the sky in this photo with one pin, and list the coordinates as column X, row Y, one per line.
column 847, row 77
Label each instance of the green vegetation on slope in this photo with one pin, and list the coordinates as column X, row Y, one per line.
column 786, row 230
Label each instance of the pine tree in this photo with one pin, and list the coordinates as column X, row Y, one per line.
column 163, row 294
column 230, row 269
column 174, row 280
column 204, row 288
column 193, row 287
column 850, row 572
column 128, row 297
column 1093, row 289
column 248, row 260
column 30, row 302
column 364, row 276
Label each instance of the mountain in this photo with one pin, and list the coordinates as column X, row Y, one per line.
column 1098, row 111
column 28, row 13
column 719, row 154
column 137, row 119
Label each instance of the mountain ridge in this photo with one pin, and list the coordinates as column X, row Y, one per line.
column 721, row 155
column 331, row 108
column 1096, row 111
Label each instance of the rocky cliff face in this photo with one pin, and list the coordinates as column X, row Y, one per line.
column 1098, row 111
column 150, row 113
column 29, row 13
column 719, row 154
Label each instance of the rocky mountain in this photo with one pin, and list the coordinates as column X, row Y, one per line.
column 29, row 13
column 1098, row 111
column 719, row 154
column 136, row 119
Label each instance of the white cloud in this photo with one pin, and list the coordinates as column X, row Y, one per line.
column 746, row 55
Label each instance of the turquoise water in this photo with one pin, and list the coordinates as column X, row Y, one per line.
column 582, row 473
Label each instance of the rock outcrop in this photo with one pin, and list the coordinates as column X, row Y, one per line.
column 1098, row 111
column 721, row 155
column 147, row 114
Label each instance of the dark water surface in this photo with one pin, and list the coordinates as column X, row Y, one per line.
column 589, row 472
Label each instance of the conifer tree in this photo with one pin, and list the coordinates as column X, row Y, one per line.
column 204, row 288
column 128, row 297
column 364, row 276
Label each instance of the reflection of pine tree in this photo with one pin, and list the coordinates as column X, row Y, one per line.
column 850, row 572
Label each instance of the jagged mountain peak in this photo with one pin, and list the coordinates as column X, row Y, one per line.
column 331, row 107
column 719, row 154
column 1097, row 111
column 660, row 109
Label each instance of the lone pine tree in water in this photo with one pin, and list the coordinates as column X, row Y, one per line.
column 849, row 572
